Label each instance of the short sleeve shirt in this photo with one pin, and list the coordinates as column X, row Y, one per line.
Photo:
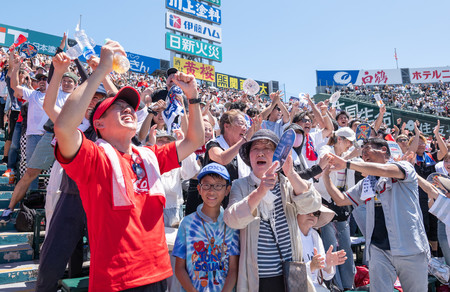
column 128, row 247
column 206, row 264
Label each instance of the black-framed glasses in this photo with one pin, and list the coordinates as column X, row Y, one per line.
column 136, row 166
column 317, row 214
column 216, row 187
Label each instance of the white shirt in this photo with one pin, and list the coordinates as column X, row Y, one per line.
column 36, row 116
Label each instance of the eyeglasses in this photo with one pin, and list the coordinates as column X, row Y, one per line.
column 306, row 121
column 216, row 187
column 316, row 214
column 136, row 166
column 42, row 79
column 402, row 140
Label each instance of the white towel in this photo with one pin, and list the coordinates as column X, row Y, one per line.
column 120, row 197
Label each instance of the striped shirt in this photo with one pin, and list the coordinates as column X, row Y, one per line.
column 269, row 261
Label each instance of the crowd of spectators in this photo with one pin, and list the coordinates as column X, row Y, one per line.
column 296, row 213
column 430, row 98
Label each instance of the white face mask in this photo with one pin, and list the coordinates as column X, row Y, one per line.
column 298, row 140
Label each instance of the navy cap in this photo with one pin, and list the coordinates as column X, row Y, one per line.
column 214, row 168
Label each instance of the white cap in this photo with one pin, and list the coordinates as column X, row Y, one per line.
column 347, row 133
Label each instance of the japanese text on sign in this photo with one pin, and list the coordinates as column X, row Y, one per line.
column 196, row 9
column 229, row 81
column 192, row 47
column 199, row 70
column 193, row 27
column 425, row 75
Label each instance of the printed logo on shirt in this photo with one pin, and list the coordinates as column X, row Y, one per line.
column 207, row 258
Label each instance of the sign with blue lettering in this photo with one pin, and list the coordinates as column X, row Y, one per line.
column 193, row 27
column 197, row 9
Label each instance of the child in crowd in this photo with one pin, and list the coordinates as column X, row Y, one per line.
column 206, row 250
column 320, row 265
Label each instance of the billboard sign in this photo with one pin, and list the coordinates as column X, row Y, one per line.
column 196, row 9
column 358, row 77
column 193, row 27
column 234, row 82
column 193, row 47
column 199, row 70
column 429, row 75
column 215, row 2
column 44, row 43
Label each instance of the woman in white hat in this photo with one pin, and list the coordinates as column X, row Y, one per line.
column 320, row 265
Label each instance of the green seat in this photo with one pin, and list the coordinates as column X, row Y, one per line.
column 75, row 284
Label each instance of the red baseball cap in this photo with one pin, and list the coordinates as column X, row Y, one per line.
column 127, row 94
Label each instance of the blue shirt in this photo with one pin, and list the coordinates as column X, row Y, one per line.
column 206, row 253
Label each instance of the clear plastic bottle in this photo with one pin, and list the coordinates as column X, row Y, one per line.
column 121, row 64
column 85, row 44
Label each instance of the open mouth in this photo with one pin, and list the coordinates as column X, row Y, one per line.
column 261, row 162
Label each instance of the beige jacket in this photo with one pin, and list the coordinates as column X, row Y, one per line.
column 238, row 216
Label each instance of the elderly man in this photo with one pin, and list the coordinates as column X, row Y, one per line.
column 396, row 241
column 120, row 185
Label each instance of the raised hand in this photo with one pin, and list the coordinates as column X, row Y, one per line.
column 437, row 128
column 107, row 55
column 269, row 178
column 335, row 258
column 337, row 162
column 61, row 62
column 288, row 166
column 187, row 83
column 317, row 262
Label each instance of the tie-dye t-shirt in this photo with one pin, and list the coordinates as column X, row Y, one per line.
column 204, row 264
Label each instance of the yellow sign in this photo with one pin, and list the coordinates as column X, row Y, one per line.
column 199, row 70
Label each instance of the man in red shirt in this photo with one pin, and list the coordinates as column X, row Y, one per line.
column 120, row 184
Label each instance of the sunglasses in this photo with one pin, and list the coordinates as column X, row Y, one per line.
column 136, row 166
column 402, row 140
column 42, row 79
column 306, row 120
column 316, row 214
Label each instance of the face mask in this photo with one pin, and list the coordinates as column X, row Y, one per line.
column 298, row 140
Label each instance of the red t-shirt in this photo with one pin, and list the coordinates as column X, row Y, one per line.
column 128, row 247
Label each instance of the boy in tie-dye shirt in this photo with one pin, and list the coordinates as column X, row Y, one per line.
column 206, row 250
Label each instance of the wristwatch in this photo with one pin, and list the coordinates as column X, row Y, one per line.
column 195, row 100
column 151, row 111
column 348, row 164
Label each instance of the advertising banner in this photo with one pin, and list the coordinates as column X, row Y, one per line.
column 215, row 2
column 193, row 27
column 429, row 75
column 358, row 77
column 199, row 70
column 234, row 82
column 44, row 43
column 197, row 9
column 189, row 46
column 369, row 112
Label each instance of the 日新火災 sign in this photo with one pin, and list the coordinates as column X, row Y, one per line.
column 196, row 9
column 192, row 47
column 193, row 27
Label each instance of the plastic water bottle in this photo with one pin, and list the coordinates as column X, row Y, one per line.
column 85, row 44
column 74, row 52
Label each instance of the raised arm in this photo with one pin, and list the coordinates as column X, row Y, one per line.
column 379, row 119
column 14, row 63
column 195, row 136
column 284, row 110
column 60, row 63
column 266, row 112
column 443, row 150
column 73, row 111
column 338, row 197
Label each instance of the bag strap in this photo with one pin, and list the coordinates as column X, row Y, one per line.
column 276, row 241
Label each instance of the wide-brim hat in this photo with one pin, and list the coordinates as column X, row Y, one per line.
column 127, row 94
column 262, row 134
column 326, row 215
column 445, row 182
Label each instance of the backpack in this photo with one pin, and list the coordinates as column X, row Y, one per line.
column 25, row 219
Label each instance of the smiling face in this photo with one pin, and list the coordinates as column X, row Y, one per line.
column 305, row 123
column 372, row 154
column 261, row 154
column 342, row 120
column 212, row 198
column 236, row 129
column 68, row 84
column 119, row 117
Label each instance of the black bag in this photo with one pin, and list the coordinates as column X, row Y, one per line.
column 25, row 219
column 342, row 212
